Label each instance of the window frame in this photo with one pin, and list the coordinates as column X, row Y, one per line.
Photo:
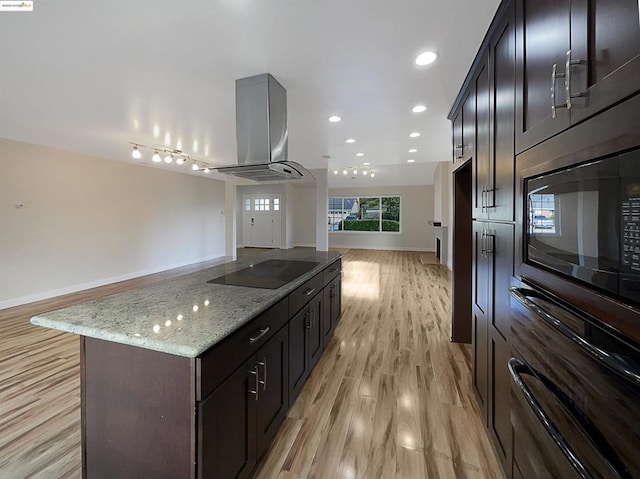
column 358, row 197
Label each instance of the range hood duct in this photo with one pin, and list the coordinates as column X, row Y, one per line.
column 261, row 132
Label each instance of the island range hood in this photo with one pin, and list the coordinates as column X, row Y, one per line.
column 261, row 132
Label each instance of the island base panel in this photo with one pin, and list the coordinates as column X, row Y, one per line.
column 138, row 417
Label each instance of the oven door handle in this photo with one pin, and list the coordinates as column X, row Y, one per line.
column 620, row 368
column 597, row 440
column 515, row 368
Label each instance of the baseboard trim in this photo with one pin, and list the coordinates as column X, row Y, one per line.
column 30, row 298
column 385, row 248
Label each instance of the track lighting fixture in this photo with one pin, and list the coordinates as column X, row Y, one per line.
column 169, row 155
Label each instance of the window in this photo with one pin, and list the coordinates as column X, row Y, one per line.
column 276, row 204
column 261, row 204
column 542, row 214
column 365, row 213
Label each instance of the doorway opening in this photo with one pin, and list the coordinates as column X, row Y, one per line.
column 461, row 323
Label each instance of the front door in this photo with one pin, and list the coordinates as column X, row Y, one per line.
column 261, row 221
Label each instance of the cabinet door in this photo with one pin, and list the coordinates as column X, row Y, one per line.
column 326, row 323
column 273, row 366
column 499, row 402
column 298, row 352
column 499, row 197
column 227, row 425
column 500, row 249
column 336, row 301
column 481, row 284
column 469, row 125
column 542, row 44
column 316, row 343
column 481, row 162
column 605, row 54
column 458, row 152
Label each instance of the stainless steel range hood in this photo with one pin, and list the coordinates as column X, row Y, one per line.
column 261, row 132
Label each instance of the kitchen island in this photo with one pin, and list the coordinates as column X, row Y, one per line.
column 189, row 378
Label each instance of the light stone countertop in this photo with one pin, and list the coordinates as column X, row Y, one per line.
column 184, row 315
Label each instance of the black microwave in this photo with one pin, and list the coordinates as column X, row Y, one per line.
column 583, row 222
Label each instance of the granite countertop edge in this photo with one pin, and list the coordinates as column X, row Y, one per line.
column 238, row 306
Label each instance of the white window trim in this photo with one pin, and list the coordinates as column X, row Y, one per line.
column 380, row 232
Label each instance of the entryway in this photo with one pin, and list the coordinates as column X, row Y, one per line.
column 261, row 225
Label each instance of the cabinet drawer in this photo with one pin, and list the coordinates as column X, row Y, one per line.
column 303, row 294
column 219, row 362
column 333, row 270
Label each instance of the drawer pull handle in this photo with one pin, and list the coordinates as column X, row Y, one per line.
column 263, row 363
column 333, row 270
column 260, row 334
column 254, row 372
column 309, row 291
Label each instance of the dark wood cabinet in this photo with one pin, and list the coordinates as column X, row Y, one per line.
column 469, row 126
column 604, row 62
column 458, row 153
column 273, row 401
column 332, row 308
column 492, row 273
column 298, row 352
column 316, row 338
column 481, row 165
column 575, row 59
column 305, row 343
column 240, row 418
column 499, row 201
column 227, row 426
column 543, row 40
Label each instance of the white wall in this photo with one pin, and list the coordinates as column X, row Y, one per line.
column 443, row 209
column 87, row 221
column 416, row 204
column 304, row 216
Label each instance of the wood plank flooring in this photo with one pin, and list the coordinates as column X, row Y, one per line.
column 390, row 398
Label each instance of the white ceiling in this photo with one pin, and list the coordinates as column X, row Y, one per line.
column 90, row 77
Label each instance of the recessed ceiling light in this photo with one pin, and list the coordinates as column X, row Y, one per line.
column 411, row 160
column 425, row 58
column 334, row 119
column 350, row 140
column 419, row 109
column 415, row 134
column 359, row 154
column 413, row 150
column 366, row 163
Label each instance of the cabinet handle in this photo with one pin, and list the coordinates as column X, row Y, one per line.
column 307, row 324
column 312, row 317
column 554, row 76
column 488, row 250
column 254, row 372
column 260, row 334
column 263, row 363
column 310, row 291
column 333, row 270
column 482, row 248
column 567, row 80
column 482, row 200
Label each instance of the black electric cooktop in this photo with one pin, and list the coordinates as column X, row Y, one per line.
column 270, row 274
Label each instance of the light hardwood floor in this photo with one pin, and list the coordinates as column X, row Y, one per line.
column 390, row 398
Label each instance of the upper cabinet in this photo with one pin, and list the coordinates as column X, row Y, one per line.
column 494, row 159
column 575, row 58
column 464, row 130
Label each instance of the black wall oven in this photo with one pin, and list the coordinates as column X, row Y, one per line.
column 575, row 393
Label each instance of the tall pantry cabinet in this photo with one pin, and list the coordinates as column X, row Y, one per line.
column 544, row 67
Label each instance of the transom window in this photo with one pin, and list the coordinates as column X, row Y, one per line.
column 364, row 213
column 261, row 204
